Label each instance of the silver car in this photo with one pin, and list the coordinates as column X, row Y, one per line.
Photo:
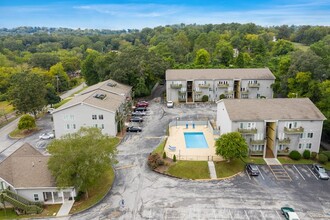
column 45, row 136
column 320, row 172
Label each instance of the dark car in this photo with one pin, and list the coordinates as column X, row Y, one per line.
column 137, row 113
column 252, row 169
column 136, row 119
column 320, row 172
column 133, row 129
column 142, row 104
column 140, row 109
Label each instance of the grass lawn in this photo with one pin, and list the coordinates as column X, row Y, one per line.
column 62, row 102
column 160, row 148
column 287, row 160
column 22, row 133
column 255, row 160
column 6, row 106
column 8, row 214
column 48, row 211
column 225, row 169
column 190, row 170
column 96, row 193
column 300, row 46
column 327, row 165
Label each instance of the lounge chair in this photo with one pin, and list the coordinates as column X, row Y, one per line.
column 172, row 148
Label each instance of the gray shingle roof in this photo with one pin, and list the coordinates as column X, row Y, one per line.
column 210, row 74
column 117, row 88
column 272, row 109
column 27, row 167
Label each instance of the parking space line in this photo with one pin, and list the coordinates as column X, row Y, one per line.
column 247, row 174
column 299, row 172
column 246, row 214
column 278, row 214
column 312, row 172
column 231, row 217
column 262, row 214
column 260, row 173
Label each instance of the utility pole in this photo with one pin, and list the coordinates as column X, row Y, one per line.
column 57, row 79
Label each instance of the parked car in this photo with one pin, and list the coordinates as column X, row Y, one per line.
column 133, row 129
column 137, row 113
column 142, row 104
column 45, row 136
column 252, row 169
column 50, row 110
column 320, row 171
column 170, row 104
column 140, row 109
column 289, row 213
column 136, row 119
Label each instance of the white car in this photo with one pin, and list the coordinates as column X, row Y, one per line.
column 170, row 104
column 46, row 136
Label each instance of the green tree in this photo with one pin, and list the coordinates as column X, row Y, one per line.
column 27, row 93
column 44, row 60
column 224, row 53
column 88, row 69
column 60, row 78
column 202, row 57
column 51, row 96
column 80, row 159
column 231, row 145
column 282, row 47
column 26, row 122
column 240, row 61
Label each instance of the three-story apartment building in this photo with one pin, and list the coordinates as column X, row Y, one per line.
column 272, row 127
column 190, row 85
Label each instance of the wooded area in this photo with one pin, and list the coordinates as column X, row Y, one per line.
column 299, row 56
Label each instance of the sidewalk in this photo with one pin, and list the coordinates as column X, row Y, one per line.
column 65, row 208
column 213, row 173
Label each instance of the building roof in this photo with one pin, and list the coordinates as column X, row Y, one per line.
column 26, row 167
column 214, row 74
column 109, row 86
column 111, row 102
column 272, row 109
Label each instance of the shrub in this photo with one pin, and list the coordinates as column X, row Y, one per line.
column 154, row 161
column 164, row 155
column 222, row 96
column 313, row 155
column 326, row 153
column 295, row 155
column 26, row 122
column 205, row 98
column 307, row 154
column 174, row 158
column 323, row 158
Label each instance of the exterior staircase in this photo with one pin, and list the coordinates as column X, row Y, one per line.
column 23, row 205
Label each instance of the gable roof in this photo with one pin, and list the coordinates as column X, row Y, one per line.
column 26, row 167
column 109, row 86
column 214, row 74
column 272, row 109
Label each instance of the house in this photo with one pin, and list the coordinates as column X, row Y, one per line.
column 190, row 85
column 272, row 127
column 26, row 174
column 104, row 105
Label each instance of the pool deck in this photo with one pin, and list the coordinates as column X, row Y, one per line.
column 176, row 139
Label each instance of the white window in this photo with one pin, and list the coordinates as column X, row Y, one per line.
column 291, row 125
column 67, row 126
column 309, row 135
column 102, row 126
column 74, row 126
column 36, row 197
column 309, row 146
column 301, row 146
column 101, row 117
column 94, row 117
column 281, row 147
column 95, row 125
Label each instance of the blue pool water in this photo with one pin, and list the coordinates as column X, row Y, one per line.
column 195, row 140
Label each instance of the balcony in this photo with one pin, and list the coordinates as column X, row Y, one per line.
column 228, row 92
column 182, row 99
column 293, row 130
column 257, row 141
column 245, row 92
column 254, row 85
column 198, row 91
column 247, row 130
column 256, row 153
column 176, row 86
column 182, row 91
column 204, row 86
column 222, row 85
column 284, row 141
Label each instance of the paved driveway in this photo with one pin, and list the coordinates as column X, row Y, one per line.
column 148, row 195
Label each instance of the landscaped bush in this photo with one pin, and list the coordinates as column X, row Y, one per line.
column 164, row 155
column 323, row 158
column 326, row 153
column 174, row 158
column 26, row 122
column 313, row 155
column 222, row 96
column 307, row 154
column 295, row 155
column 154, row 161
column 205, row 98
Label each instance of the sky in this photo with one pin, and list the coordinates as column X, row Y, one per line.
column 138, row 14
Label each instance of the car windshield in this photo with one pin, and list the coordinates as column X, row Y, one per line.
column 253, row 167
column 322, row 170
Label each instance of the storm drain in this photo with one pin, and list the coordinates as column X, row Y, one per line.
column 279, row 172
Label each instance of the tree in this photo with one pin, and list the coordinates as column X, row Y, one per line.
column 88, row 69
column 26, row 122
column 282, row 47
column 224, row 52
column 60, row 78
column 231, row 145
column 80, row 159
column 202, row 57
column 27, row 93
column 240, row 61
column 51, row 96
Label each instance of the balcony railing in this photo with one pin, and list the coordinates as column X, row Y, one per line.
column 254, row 85
column 176, row 86
column 181, row 92
column 198, row 91
column 228, row 92
column 223, row 85
column 182, row 99
column 204, row 86
column 247, row 130
column 284, row 141
column 283, row 152
column 245, row 92
column 256, row 152
column 293, row 130
column 257, row 141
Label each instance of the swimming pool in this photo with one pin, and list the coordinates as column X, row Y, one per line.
column 195, row 140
